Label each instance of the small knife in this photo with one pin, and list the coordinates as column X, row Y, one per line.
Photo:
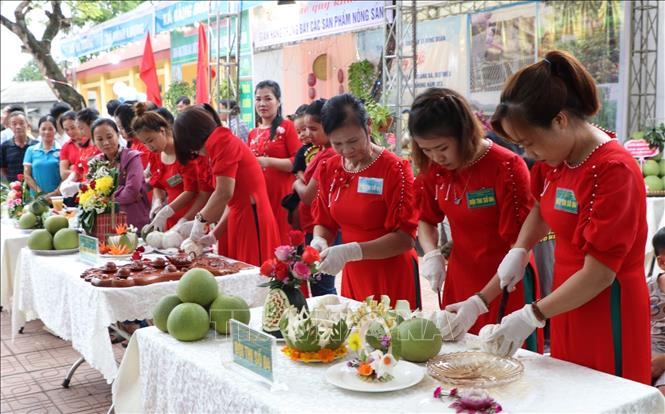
column 503, row 304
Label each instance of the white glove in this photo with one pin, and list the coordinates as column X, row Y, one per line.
column 514, row 329
column 334, row 258
column 433, row 269
column 511, row 269
column 319, row 243
column 159, row 222
column 466, row 314
column 69, row 187
column 198, row 231
column 157, row 204
column 207, row 240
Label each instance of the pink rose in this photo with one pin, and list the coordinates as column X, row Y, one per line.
column 15, row 186
column 284, row 252
column 301, row 271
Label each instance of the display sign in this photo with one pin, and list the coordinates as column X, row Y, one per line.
column 252, row 349
column 88, row 249
column 274, row 24
column 639, row 148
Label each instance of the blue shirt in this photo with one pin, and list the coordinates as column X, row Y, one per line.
column 45, row 165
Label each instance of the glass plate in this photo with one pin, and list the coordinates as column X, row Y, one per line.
column 406, row 374
column 54, row 252
column 474, row 369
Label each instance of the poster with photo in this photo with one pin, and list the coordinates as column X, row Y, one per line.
column 501, row 41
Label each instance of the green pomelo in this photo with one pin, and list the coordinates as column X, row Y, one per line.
column 662, row 168
column 160, row 314
column 38, row 207
column 417, row 340
column 198, row 286
column 55, row 223
column 374, row 333
column 27, row 221
column 654, row 183
column 651, row 167
column 188, row 322
column 66, row 239
column 40, row 240
column 147, row 229
column 225, row 308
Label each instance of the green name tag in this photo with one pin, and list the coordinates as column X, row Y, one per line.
column 565, row 201
column 175, row 180
column 252, row 349
column 88, row 249
column 481, row 198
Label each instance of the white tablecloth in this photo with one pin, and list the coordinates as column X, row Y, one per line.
column 13, row 240
column 79, row 312
column 160, row 374
column 655, row 221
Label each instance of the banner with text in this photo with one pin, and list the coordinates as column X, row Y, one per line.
column 274, row 24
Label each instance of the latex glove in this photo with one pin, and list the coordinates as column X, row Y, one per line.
column 157, row 204
column 207, row 240
column 334, row 258
column 514, row 329
column 69, row 188
column 433, row 269
column 159, row 222
column 511, row 269
column 198, row 231
column 466, row 314
column 319, row 243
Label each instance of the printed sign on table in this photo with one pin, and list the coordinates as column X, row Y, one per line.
column 639, row 148
column 252, row 349
column 88, row 249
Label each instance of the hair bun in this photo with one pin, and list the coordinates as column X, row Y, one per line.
column 140, row 108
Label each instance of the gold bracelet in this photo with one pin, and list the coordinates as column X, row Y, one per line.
column 482, row 297
column 536, row 311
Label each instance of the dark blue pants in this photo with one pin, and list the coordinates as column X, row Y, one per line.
column 325, row 286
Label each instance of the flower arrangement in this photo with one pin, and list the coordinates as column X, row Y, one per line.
column 376, row 366
column 472, row 401
column 293, row 264
column 95, row 197
column 17, row 196
column 123, row 242
column 373, row 322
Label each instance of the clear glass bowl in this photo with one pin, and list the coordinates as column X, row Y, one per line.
column 474, row 369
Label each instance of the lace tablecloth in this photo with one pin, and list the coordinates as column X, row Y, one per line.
column 81, row 313
column 160, row 374
column 13, row 240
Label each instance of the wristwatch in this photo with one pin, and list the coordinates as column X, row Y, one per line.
column 199, row 217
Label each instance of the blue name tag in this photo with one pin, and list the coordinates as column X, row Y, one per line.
column 370, row 185
column 565, row 201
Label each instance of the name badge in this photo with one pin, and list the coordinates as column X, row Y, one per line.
column 370, row 185
column 174, row 180
column 565, row 201
column 481, row 198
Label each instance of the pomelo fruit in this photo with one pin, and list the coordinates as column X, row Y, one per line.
column 650, row 167
column 225, row 308
column 654, row 183
column 188, row 322
column 375, row 332
column 27, row 220
column 38, row 207
column 40, row 240
column 66, row 239
column 160, row 314
column 662, row 168
column 416, row 340
column 198, row 286
column 55, row 223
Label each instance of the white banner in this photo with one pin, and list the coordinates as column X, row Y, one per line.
column 274, row 24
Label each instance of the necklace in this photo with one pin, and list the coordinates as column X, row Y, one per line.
column 457, row 200
column 572, row 167
column 358, row 170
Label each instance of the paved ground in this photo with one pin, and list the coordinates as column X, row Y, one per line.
column 33, row 366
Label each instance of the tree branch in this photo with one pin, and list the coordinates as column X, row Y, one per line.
column 55, row 21
column 8, row 23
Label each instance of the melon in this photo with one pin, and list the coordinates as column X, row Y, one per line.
column 650, row 167
column 27, row 221
column 154, row 239
column 172, row 239
column 38, row 207
column 66, row 239
column 662, row 168
column 55, row 223
column 198, row 286
column 147, row 229
column 160, row 314
column 416, row 340
column 654, row 183
column 225, row 308
column 188, row 322
column 40, row 240
column 374, row 333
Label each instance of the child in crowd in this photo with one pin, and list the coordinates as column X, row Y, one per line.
column 291, row 201
column 657, row 302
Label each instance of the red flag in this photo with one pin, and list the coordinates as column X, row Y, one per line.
column 149, row 73
column 202, row 67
